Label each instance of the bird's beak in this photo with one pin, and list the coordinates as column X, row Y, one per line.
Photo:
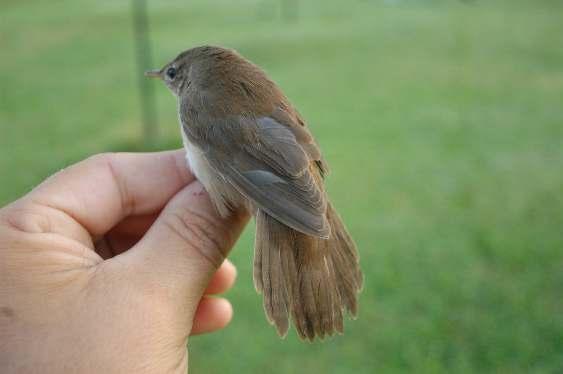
column 153, row 74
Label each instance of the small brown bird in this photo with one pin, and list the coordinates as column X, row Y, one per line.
column 252, row 150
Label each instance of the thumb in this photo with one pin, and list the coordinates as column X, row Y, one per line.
column 184, row 247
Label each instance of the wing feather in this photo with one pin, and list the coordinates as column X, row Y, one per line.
column 263, row 160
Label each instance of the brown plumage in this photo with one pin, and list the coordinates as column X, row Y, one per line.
column 252, row 150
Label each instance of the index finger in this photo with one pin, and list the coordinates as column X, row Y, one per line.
column 101, row 190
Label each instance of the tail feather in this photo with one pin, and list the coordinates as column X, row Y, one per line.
column 259, row 242
column 311, row 277
column 346, row 263
column 314, row 280
column 271, row 277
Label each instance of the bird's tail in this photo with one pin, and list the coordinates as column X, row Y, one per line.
column 314, row 280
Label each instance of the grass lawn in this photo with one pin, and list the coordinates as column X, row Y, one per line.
column 443, row 125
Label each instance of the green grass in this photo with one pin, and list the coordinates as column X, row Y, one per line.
column 443, row 125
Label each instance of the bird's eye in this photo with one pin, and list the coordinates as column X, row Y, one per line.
column 171, row 73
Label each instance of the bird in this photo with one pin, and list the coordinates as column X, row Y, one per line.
column 252, row 150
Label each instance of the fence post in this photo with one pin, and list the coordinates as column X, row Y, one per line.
column 144, row 62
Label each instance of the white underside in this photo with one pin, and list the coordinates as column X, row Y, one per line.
column 196, row 162
column 223, row 195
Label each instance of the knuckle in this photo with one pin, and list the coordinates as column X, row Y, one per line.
column 200, row 232
column 109, row 161
column 101, row 158
column 24, row 217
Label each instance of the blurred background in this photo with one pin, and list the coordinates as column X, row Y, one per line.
column 443, row 125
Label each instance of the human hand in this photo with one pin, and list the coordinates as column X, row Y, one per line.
column 106, row 267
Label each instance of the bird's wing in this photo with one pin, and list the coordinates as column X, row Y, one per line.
column 289, row 117
column 264, row 161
